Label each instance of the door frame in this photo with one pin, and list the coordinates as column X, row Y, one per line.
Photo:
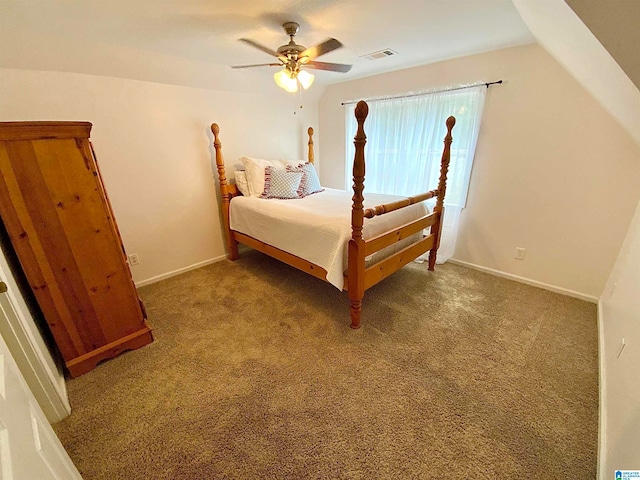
column 38, row 367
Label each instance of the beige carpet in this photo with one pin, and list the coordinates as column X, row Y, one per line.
column 255, row 373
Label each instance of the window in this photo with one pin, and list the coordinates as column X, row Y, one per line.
column 404, row 147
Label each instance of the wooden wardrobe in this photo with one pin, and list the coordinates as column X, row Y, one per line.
column 60, row 223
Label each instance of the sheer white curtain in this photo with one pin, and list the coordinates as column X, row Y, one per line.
column 404, row 146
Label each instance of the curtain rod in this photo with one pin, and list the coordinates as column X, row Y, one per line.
column 408, row 95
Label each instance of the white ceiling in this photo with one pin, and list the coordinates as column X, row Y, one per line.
column 193, row 42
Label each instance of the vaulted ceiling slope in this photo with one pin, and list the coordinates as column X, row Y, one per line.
column 194, row 42
column 615, row 25
column 565, row 36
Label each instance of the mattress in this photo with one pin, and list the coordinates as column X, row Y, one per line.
column 317, row 227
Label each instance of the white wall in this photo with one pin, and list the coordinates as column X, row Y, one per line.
column 554, row 173
column 153, row 144
column 620, row 318
column 559, row 30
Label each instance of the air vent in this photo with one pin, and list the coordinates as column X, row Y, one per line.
column 387, row 52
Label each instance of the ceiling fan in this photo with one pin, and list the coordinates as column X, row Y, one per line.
column 294, row 57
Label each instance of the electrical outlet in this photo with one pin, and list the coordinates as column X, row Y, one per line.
column 133, row 259
column 520, row 252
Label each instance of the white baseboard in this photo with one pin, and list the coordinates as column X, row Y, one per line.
column 164, row 276
column 602, row 419
column 534, row 283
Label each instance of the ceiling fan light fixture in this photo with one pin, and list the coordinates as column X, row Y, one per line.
column 285, row 81
column 293, row 57
column 305, row 79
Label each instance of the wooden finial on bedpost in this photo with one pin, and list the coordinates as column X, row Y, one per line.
column 355, row 272
column 436, row 229
column 224, row 192
column 310, row 156
column 215, row 129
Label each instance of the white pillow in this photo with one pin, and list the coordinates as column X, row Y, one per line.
column 254, row 168
column 241, row 182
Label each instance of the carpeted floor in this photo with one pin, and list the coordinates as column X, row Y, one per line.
column 255, row 373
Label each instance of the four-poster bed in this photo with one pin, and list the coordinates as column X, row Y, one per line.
column 370, row 254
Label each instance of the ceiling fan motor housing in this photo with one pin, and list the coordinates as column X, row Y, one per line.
column 291, row 50
column 291, row 28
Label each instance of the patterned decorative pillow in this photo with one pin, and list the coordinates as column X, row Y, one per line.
column 282, row 184
column 310, row 181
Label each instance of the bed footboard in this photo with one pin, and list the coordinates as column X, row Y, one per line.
column 359, row 277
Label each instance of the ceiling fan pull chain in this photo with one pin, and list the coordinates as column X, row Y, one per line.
column 294, row 103
column 300, row 90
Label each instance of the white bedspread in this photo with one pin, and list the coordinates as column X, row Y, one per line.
column 316, row 228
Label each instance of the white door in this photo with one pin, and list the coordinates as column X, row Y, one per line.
column 29, row 449
column 29, row 350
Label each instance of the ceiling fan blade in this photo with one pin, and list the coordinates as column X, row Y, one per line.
column 325, row 47
column 333, row 67
column 260, row 47
column 258, row 65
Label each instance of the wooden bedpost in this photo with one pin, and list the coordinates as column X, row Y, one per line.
column 436, row 229
column 355, row 271
column 224, row 191
column 310, row 156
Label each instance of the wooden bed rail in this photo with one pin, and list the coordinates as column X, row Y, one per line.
column 386, row 239
column 397, row 205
